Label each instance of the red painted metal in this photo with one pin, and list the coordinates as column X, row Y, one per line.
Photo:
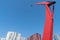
column 46, row 3
column 48, row 27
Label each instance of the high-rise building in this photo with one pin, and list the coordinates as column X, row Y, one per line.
column 34, row 37
column 23, row 38
column 56, row 37
column 13, row 36
column 2, row 38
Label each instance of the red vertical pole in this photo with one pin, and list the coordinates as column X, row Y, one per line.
column 48, row 28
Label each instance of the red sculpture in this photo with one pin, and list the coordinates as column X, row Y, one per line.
column 48, row 27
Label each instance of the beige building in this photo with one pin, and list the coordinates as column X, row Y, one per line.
column 36, row 36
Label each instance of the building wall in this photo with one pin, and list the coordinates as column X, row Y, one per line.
column 34, row 37
column 56, row 37
column 14, row 36
column 2, row 39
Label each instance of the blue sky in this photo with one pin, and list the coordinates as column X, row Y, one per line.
column 19, row 16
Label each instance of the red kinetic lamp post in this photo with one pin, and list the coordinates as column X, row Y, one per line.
column 48, row 27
